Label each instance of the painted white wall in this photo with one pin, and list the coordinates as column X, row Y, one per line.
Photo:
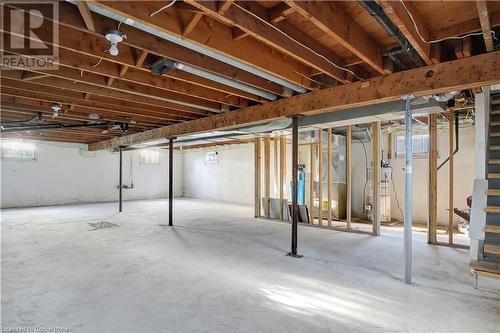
column 463, row 169
column 229, row 180
column 61, row 175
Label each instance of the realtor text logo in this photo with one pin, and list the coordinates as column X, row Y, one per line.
column 30, row 35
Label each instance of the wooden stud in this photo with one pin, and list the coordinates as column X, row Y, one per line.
column 257, row 177
column 192, row 23
column 276, row 166
column 311, row 179
column 329, row 175
column 349, row 177
column 267, row 174
column 450, row 179
column 320, row 175
column 282, row 175
column 484, row 19
column 376, row 178
column 433, row 156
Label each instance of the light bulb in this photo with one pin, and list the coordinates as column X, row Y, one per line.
column 113, row 50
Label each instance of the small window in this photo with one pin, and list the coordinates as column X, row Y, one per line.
column 212, row 157
column 149, row 156
column 420, row 145
column 18, row 150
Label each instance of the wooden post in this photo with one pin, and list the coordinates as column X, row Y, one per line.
column 376, row 178
column 349, row 177
column 450, row 185
column 329, row 175
column 267, row 173
column 276, row 168
column 257, row 177
column 433, row 156
column 170, row 181
column 311, row 181
column 282, row 174
column 320, row 173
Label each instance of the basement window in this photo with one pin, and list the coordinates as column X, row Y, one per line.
column 149, row 157
column 212, row 157
column 420, row 145
column 18, row 150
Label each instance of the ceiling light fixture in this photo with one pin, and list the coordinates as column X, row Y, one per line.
column 56, row 108
column 114, row 37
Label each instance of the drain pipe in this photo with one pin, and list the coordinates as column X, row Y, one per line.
column 457, row 141
column 378, row 14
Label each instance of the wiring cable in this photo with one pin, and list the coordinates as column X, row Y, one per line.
column 290, row 38
column 442, row 39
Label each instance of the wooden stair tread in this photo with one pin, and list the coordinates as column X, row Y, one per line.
column 493, row 192
column 494, row 176
column 485, row 268
column 494, row 161
column 490, row 248
column 496, row 112
column 492, row 209
column 494, row 229
column 495, row 123
column 495, row 134
column 494, row 147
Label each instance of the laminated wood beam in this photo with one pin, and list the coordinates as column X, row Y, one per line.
column 466, row 73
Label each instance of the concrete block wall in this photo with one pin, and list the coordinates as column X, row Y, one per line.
column 62, row 175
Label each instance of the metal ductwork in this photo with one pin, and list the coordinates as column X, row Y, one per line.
column 25, row 128
column 377, row 12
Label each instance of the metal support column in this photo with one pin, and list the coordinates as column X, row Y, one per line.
column 170, row 181
column 295, row 170
column 408, row 189
column 120, row 185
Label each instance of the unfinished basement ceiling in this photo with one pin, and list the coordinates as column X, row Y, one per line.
column 225, row 56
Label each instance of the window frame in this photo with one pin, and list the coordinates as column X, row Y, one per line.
column 401, row 155
column 18, row 158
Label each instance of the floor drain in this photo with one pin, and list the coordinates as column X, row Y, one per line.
column 102, row 225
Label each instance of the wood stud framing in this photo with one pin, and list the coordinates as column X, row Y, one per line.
column 349, row 177
column 267, row 174
column 433, row 156
column 320, row 178
column 329, row 175
column 257, row 177
column 282, row 177
column 312, row 148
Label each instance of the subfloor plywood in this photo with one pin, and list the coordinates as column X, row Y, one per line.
column 220, row 270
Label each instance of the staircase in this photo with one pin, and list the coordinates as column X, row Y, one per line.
column 491, row 250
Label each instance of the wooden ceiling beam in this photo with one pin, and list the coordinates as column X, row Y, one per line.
column 92, row 106
column 459, row 74
column 110, row 103
column 466, row 27
column 216, row 37
column 331, row 19
column 70, row 18
column 484, row 20
column 262, row 30
column 396, row 10
column 95, row 90
column 280, row 12
column 86, row 15
column 192, row 24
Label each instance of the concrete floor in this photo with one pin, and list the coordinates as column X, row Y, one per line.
column 218, row 270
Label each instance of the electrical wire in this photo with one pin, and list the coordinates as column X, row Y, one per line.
column 96, row 64
column 442, row 39
column 162, row 8
column 284, row 34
